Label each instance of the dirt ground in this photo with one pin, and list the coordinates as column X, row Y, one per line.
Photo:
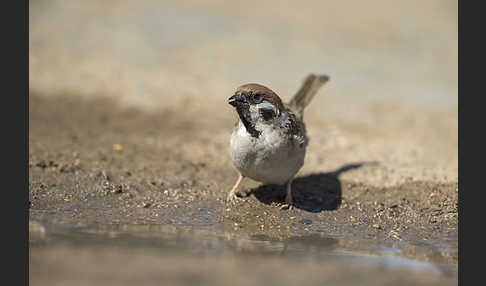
column 84, row 151
column 129, row 142
column 93, row 162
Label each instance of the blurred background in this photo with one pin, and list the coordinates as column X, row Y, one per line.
column 392, row 99
column 148, row 52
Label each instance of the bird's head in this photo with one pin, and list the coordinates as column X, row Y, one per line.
column 255, row 104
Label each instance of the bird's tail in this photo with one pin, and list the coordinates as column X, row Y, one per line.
column 308, row 89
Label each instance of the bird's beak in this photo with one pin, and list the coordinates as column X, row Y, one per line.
column 237, row 97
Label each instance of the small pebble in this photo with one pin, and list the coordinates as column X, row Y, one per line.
column 306, row 221
column 117, row 147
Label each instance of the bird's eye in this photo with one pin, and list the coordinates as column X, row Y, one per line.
column 257, row 98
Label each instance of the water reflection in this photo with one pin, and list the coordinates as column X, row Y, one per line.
column 165, row 239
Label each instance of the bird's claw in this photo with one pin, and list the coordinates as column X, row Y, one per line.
column 232, row 199
column 286, row 206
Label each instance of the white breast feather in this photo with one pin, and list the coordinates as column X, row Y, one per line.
column 271, row 158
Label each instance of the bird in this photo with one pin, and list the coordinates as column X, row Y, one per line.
column 269, row 140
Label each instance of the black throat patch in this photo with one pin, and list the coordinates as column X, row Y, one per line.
column 245, row 117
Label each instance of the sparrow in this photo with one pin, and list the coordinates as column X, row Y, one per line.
column 269, row 140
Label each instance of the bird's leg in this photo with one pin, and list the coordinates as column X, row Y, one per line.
column 288, row 196
column 232, row 194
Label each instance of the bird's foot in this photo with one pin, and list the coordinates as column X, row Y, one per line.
column 232, row 198
column 288, row 205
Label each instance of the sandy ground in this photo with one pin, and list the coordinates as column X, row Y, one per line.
column 129, row 126
column 94, row 163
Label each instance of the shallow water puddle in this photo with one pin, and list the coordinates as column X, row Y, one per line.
column 160, row 240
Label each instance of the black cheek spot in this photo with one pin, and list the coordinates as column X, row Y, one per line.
column 267, row 114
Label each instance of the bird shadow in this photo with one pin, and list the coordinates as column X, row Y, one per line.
column 312, row 193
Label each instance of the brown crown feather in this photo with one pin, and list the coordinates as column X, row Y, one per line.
column 268, row 94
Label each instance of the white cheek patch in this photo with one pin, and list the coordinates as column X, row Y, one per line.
column 255, row 110
column 254, row 113
column 267, row 105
